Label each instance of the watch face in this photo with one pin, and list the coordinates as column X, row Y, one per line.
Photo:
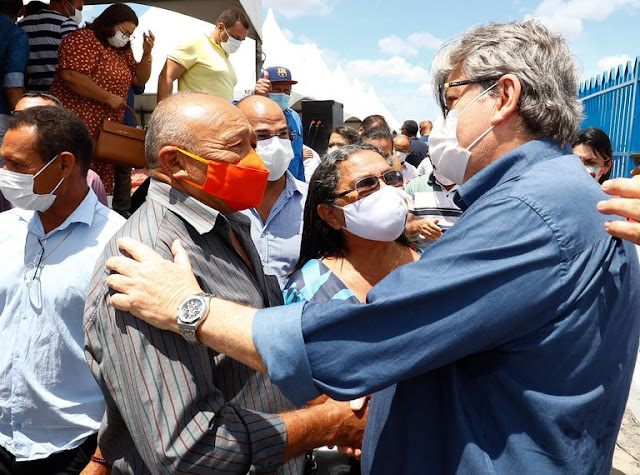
column 192, row 310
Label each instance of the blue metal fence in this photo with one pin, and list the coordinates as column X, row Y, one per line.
column 612, row 103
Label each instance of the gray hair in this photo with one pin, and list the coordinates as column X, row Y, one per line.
column 168, row 126
column 540, row 60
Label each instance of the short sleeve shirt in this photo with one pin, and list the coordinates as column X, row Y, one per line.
column 14, row 56
column 110, row 68
column 207, row 67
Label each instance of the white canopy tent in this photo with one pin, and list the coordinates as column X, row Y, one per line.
column 315, row 79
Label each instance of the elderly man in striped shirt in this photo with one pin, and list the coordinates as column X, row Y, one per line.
column 173, row 405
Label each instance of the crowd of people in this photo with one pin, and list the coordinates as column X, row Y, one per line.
column 458, row 296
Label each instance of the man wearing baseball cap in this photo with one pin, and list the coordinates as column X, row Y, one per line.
column 281, row 81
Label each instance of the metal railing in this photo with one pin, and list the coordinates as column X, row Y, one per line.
column 612, row 103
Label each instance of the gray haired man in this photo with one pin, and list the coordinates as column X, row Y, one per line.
column 510, row 346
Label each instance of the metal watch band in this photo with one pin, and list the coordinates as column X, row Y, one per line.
column 188, row 330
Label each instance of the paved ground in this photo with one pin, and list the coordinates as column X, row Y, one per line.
column 626, row 459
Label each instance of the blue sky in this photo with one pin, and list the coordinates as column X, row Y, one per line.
column 390, row 45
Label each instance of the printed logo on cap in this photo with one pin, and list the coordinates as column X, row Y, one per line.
column 282, row 72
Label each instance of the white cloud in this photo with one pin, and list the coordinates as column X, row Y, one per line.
column 396, row 68
column 568, row 16
column 425, row 90
column 296, row 8
column 608, row 62
column 409, row 46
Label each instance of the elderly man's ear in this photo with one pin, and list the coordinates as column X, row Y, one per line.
column 172, row 163
column 508, row 94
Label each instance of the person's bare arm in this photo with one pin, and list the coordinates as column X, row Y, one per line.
column 143, row 70
column 13, row 95
column 84, row 86
column 95, row 468
column 427, row 227
column 330, row 423
column 168, row 75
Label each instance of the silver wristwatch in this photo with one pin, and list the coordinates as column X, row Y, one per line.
column 191, row 313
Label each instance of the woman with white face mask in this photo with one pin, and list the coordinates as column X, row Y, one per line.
column 95, row 70
column 593, row 147
column 354, row 222
column 353, row 236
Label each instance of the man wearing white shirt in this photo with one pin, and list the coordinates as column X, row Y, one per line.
column 51, row 405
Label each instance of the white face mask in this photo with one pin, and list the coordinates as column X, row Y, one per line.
column 18, row 189
column 231, row 45
column 380, row 216
column 595, row 172
column 118, row 40
column 76, row 14
column 276, row 153
column 448, row 158
column 402, row 156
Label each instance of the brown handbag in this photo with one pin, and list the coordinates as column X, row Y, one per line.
column 120, row 144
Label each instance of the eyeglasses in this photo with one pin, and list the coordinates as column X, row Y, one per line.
column 32, row 276
column 31, row 269
column 367, row 185
column 285, row 135
column 129, row 37
column 442, row 90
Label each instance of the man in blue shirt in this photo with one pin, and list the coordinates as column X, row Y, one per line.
column 50, row 240
column 14, row 56
column 276, row 224
column 280, row 91
column 517, row 354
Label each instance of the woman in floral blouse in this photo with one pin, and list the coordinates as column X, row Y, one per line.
column 95, row 70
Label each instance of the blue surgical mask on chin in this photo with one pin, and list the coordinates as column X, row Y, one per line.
column 281, row 98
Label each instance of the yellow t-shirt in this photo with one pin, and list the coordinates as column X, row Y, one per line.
column 207, row 68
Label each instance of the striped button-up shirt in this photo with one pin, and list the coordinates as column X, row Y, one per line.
column 171, row 406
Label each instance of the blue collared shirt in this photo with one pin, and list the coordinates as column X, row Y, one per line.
column 278, row 240
column 516, row 356
column 14, row 56
column 49, row 401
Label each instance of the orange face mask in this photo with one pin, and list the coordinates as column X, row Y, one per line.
column 240, row 185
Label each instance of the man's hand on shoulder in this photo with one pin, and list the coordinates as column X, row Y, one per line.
column 148, row 286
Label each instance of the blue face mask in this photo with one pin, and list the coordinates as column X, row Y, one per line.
column 281, row 98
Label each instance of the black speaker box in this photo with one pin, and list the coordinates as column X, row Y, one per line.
column 318, row 118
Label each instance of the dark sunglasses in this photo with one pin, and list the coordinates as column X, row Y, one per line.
column 367, row 185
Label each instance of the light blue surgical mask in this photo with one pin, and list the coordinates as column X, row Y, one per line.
column 281, row 98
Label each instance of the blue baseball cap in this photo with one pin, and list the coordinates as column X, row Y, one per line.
column 279, row 74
